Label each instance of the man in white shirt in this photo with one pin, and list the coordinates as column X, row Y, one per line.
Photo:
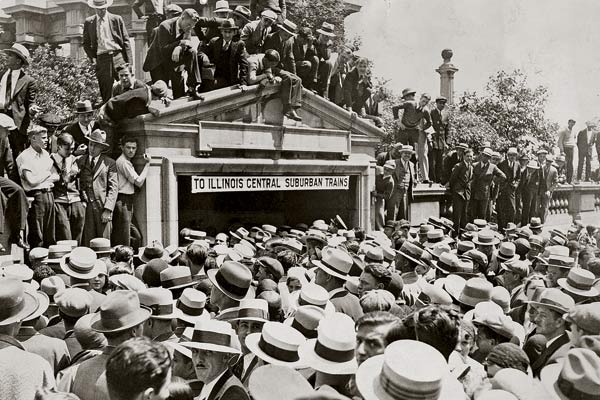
column 37, row 178
column 566, row 144
column 128, row 181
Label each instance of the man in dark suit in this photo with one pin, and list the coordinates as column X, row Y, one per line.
column 17, row 96
column 453, row 158
column 585, row 143
column 171, row 51
column 484, row 173
column 106, row 41
column 523, row 161
column 530, row 183
column 439, row 122
column 81, row 129
column 505, row 205
column 460, row 187
column 305, row 54
column 548, row 176
column 229, row 57
column 404, row 178
column 99, row 187
column 357, row 87
column 282, row 42
column 16, row 200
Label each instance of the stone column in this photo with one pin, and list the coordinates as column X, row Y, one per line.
column 447, row 71
column 138, row 31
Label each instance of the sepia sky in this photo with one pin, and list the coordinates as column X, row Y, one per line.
column 556, row 42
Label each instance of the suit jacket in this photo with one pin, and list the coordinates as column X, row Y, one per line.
column 482, row 180
column 513, row 177
column 128, row 105
column 119, row 34
column 439, row 121
column 101, row 184
column 163, row 44
column 556, row 350
column 207, row 29
column 238, row 369
column 7, row 163
column 347, row 303
column 50, row 349
column 237, row 63
column 21, row 101
column 284, row 48
column 461, row 179
column 353, row 97
column 228, row 387
column 548, row 180
column 89, row 380
column 399, row 173
column 300, row 54
column 583, row 144
column 77, row 133
column 252, row 35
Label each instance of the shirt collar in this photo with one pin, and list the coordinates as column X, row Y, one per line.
column 208, row 387
column 336, row 291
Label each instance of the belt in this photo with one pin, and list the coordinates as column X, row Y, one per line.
column 109, row 53
column 32, row 193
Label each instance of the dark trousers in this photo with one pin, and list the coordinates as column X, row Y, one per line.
column 569, row 163
column 94, row 227
column 518, row 205
column 478, row 208
column 325, row 79
column 505, row 209
column 106, row 72
column 122, row 217
column 460, row 207
column 16, row 207
column 584, row 157
column 18, row 142
column 543, row 202
column 359, row 102
column 529, row 206
column 397, row 206
column 189, row 59
column 437, row 165
column 307, row 70
column 41, row 220
column 290, row 90
column 69, row 221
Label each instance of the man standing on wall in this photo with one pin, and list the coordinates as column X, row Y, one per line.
column 566, row 144
column 439, row 121
column 585, row 144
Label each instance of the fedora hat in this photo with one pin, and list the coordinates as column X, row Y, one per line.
column 411, row 251
column 16, row 303
column 239, row 233
column 433, row 237
column 56, row 253
column 232, row 278
column 463, row 246
column 536, row 240
column 276, row 382
column 306, row 320
column 535, row 223
column 159, row 301
column 151, row 251
column 462, row 146
column 483, row 310
column 487, row 152
column 213, row 335
column 476, row 290
column 252, row 310
column 554, row 299
column 579, row 281
column 222, row 5
column 176, row 278
column 507, row 252
column 100, row 3
column 326, row 29
column 577, row 377
column 243, row 12
column 407, row 91
column 43, row 303
column 20, row 51
column 81, row 263
column 395, row 374
column 335, row 262
column 314, row 295
column 486, row 238
column 74, row 302
column 120, row 310
column 586, row 317
column 288, row 26
column 374, row 255
column 191, row 305
column 83, row 107
column 314, row 234
column 277, row 344
column 101, row 246
column 228, row 24
column 332, row 352
column 452, row 284
column 98, row 136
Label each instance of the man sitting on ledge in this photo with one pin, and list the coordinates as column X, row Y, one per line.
column 262, row 69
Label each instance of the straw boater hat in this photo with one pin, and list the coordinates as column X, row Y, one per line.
column 56, row 253
column 306, row 320
column 276, row 382
column 579, row 281
column 17, row 303
column 335, row 262
column 101, row 246
column 476, row 290
column 81, row 263
column 251, row 310
column 120, row 310
column 176, row 278
column 507, row 252
column 222, row 5
column 20, row 51
column 100, row 3
column 576, row 377
column 160, row 302
column 412, row 252
column 288, row 26
column 486, row 238
column 326, row 29
column 277, row 344
column 555, row 300
column 313, row 295
column 214, row 335
column 232, row 279
column 395, row 374
column 332, row 352
column 191, row 305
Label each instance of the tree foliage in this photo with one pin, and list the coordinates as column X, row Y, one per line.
column 509, row 113
column 60, row 81
column 312, row 14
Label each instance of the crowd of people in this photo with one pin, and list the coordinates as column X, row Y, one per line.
column 314, row 311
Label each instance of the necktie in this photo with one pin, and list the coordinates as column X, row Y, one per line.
column 8, row 89
column 225, row 46
column 93, row 163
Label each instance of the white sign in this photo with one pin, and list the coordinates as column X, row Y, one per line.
column 210, row 184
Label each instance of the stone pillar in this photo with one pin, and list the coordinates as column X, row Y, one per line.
column 447, row 71
column 138, row 31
